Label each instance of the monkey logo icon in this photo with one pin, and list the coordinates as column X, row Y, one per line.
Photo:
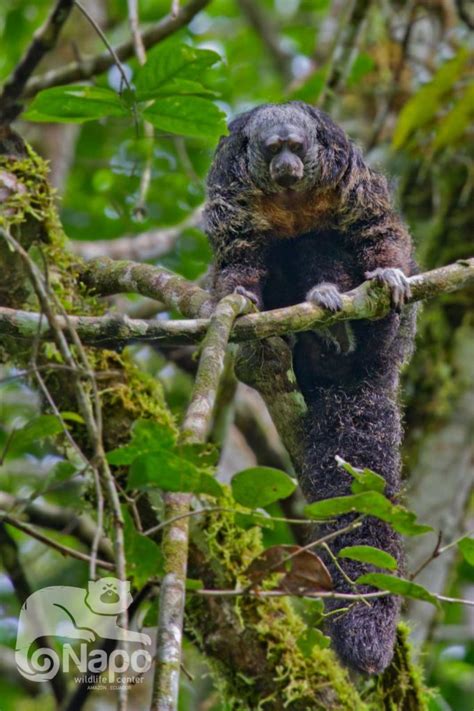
column 72, row 613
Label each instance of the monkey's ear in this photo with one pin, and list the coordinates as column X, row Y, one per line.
column 238, row 123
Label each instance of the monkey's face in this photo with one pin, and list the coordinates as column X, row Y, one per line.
column 290, row 149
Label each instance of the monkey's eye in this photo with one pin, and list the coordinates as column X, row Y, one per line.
column 296, row 146
column 273, row 146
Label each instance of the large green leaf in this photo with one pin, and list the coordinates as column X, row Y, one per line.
column 75, row 104
column 187, row 115
column 371, row 503
column 173, row 68
column 260, row 486
column 369, row 554
column 399, row 586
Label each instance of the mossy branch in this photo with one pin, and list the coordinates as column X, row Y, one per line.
column 194, row 430
column 368, row 301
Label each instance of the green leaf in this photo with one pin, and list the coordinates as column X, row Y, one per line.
column 399, row 586
column 170, row 472
column 466, row 546
column 35, row 430
column 75, row 104
column 423, row 106
column 371, row 503
column 369, row 554
column 72, row 417
column 260, row 486
column 457, row 121
column 147, row 436
column 365, row 479
column 187, row 116
column 143, row 555
column 173, row 68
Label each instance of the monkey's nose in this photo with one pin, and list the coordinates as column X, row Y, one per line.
column 286, row 170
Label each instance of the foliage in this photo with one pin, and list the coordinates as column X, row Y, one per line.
column 213, row 68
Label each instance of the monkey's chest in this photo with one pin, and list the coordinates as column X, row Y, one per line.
column 296, row 265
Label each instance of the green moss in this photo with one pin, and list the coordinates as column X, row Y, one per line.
column 269, row 670
column 400, row 687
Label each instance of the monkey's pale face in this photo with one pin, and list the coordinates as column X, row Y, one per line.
column 284, row 148
column 290, row 151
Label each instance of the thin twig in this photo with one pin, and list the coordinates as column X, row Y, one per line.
column 104, row 39
column 149, row 132
column 64, row 550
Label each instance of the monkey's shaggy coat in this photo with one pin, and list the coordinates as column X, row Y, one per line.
column 336, row 225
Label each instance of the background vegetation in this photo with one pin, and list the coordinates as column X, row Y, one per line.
column 130, row 167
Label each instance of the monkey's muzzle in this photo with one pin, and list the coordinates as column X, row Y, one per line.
column 286, row 169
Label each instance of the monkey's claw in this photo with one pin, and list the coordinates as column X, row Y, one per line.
column 325, row 295
column 397, row 282
column 250, row 295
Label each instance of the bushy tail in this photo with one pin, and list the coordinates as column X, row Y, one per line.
column 360, row 423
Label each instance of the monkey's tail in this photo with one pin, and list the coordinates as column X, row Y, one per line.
column 360, row 423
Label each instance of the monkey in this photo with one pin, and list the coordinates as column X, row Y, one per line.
column 293, row 213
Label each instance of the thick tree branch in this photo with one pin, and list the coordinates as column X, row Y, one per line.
column 367, row 301
column 107, row 276
column 87, row 68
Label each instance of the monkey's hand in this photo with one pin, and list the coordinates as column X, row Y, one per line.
column 250, row 295
column 326, row 295
column 397, row 282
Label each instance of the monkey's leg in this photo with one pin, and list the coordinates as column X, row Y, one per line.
column 361, row 423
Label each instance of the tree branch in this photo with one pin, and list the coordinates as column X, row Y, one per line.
column 44, row 40
column 368, row 301
column 57, row 518
column 87, row 68
column 195, row 429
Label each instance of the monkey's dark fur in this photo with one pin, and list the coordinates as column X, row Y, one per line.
column 294, row 213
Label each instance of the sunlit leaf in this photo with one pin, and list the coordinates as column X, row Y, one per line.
column 173, row 68
column 75, row 104
column 187, row 116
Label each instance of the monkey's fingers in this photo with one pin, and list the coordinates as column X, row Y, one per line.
column 250, row 295
column 326, row 295
column 397, row 282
